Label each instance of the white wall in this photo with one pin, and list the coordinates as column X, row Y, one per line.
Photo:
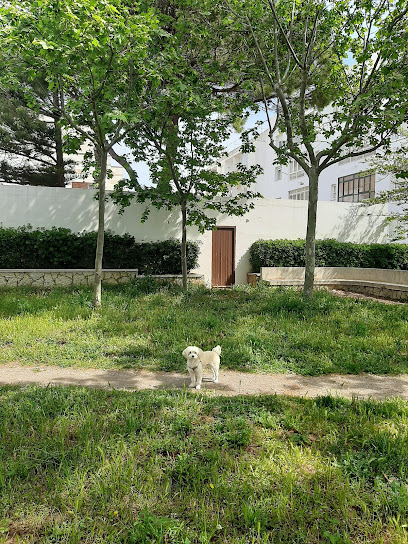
column 78, row 211
column 271, row 219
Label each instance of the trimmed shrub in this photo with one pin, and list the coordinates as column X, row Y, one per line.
column 24, row 247
column 329, row 253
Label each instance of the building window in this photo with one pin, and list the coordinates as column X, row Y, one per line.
column 333, row 193
column 299, row 194
column 296, row 171
column 279, row 143
column 81, row 185
column 356, row 187
column 278, row 173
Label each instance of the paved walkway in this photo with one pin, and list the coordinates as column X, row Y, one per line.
column 230, row 383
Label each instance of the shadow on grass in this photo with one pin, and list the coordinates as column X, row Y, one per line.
column 293, row 469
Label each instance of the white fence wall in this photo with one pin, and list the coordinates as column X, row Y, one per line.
column 270, row 219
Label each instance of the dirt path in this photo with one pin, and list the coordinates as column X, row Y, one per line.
column 231, row 383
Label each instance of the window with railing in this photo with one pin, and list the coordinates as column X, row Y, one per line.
column 295, row 170
column 356, row 187
column 299, row 194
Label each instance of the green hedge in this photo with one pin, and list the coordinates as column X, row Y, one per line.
column 328, row 253
column 24, row 247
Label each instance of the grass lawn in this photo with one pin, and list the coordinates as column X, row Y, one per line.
column 90, row 466
column 146, row 326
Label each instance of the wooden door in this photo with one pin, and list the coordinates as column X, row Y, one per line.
column 223, row 256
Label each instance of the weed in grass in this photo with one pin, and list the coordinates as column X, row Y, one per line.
column 235, row 433
column 149, row 529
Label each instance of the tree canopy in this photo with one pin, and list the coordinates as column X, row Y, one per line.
column 94, row 56
column 334, row 80
column 31, row 142
column 185, row 121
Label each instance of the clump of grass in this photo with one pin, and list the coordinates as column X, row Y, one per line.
column 91, row 466
column 147, row 325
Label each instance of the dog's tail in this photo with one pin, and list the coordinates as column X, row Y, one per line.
column 217, row 349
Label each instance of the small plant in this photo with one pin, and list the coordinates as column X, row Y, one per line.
column 151, row 529
column 235, row 433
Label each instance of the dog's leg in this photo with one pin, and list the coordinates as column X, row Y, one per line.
column 192, row 377
column 215, row 369
column 199, row 376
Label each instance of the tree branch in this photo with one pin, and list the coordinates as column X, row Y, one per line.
column 362, row 152
column 73, row 124
column 102, row 85
column 124, row 163
column 295, row 58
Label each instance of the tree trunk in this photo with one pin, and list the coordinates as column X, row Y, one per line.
column 171, row 145
column 60, row 171
column 310, row 248
column 101, row 227
column 184, row 243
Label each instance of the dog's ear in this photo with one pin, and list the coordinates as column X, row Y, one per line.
column 185, row 353
column 217, row 349
column 199, row 352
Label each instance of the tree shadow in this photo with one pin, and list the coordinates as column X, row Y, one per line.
column 361, row 224
column 362, row 386
column 110, row 379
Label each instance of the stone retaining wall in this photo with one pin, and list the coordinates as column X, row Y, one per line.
column 381, row 283
column 397, row 293
column 62, row 277
column 71, row 277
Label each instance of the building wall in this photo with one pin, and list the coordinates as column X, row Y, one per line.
column 270, row 219
column 84, row 180
column 271, row 187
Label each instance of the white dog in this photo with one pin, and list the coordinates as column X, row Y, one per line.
column 197, row 360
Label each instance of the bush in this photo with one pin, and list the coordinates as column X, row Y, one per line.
column 329, row 253
column 24, row 248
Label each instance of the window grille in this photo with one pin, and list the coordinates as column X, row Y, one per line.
column 299, row 194
column 356, row 187
column 296, row 171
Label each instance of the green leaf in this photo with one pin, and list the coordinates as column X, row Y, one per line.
column 44, row 44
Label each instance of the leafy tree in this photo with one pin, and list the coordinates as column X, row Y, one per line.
column 93, row 54
column 194, row 185
column 300, row 52
column 31, row 145
column 395, row 163
column 185, row 122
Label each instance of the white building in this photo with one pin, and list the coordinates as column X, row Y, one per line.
column 345, row 181
column 85, row 180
